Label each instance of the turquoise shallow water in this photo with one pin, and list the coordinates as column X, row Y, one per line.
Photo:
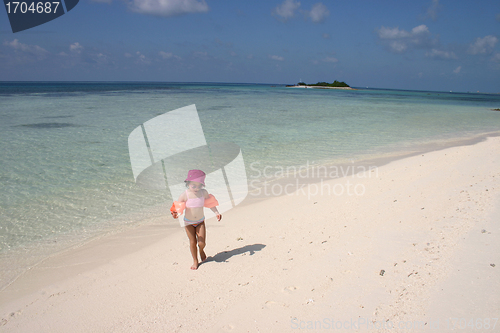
column 66, row 171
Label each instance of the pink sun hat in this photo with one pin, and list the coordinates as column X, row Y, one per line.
column 196, row 176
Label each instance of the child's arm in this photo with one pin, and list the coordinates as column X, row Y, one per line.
column 178, row 206
column 219, row 216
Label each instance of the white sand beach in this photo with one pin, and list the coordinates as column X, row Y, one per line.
column 415, row 247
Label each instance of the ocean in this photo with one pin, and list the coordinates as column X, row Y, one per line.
column 66, row 174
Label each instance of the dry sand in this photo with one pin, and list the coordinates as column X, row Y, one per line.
column 417, row 246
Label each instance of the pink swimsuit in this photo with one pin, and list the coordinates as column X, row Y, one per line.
column 194, row 203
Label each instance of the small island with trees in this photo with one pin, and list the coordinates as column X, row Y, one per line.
column 323, row 85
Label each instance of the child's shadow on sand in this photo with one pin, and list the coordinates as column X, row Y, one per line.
column 225, row 255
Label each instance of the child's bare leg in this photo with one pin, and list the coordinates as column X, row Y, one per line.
column 191, row 232
column 201, row 233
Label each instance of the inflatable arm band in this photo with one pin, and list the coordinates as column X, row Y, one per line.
column 211, row 201
column 179, row 206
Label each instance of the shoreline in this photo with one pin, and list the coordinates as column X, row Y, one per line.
column 349, row 168
column 367, row 236
column 161, row 215
column 71, row 221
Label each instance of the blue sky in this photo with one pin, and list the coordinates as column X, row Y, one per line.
column 422, row 45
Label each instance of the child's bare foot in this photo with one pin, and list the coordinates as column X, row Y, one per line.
column 195, row 265
column 203, row 255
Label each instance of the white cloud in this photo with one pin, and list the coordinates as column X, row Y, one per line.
column 76, row 48
column 441, row 54
column 432, row 11
column 33, row 50
column 498, row 17
column 388, row 33
column 421, row 29
column 201, row 55
column 457, row 70
column 398, row 47
column 318, row 13
column 287, row 9
column 395, row 33
column 496, row 58
column 483, row 45
column 400, row 41
column 142, row 59
column 77, row 55
column 101, row 59
column 330, row 59
column 168, row 55
column 275, row 57
column 168, row 7
column 325, row 36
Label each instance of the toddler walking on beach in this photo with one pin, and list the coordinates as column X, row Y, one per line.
column 193, row 200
